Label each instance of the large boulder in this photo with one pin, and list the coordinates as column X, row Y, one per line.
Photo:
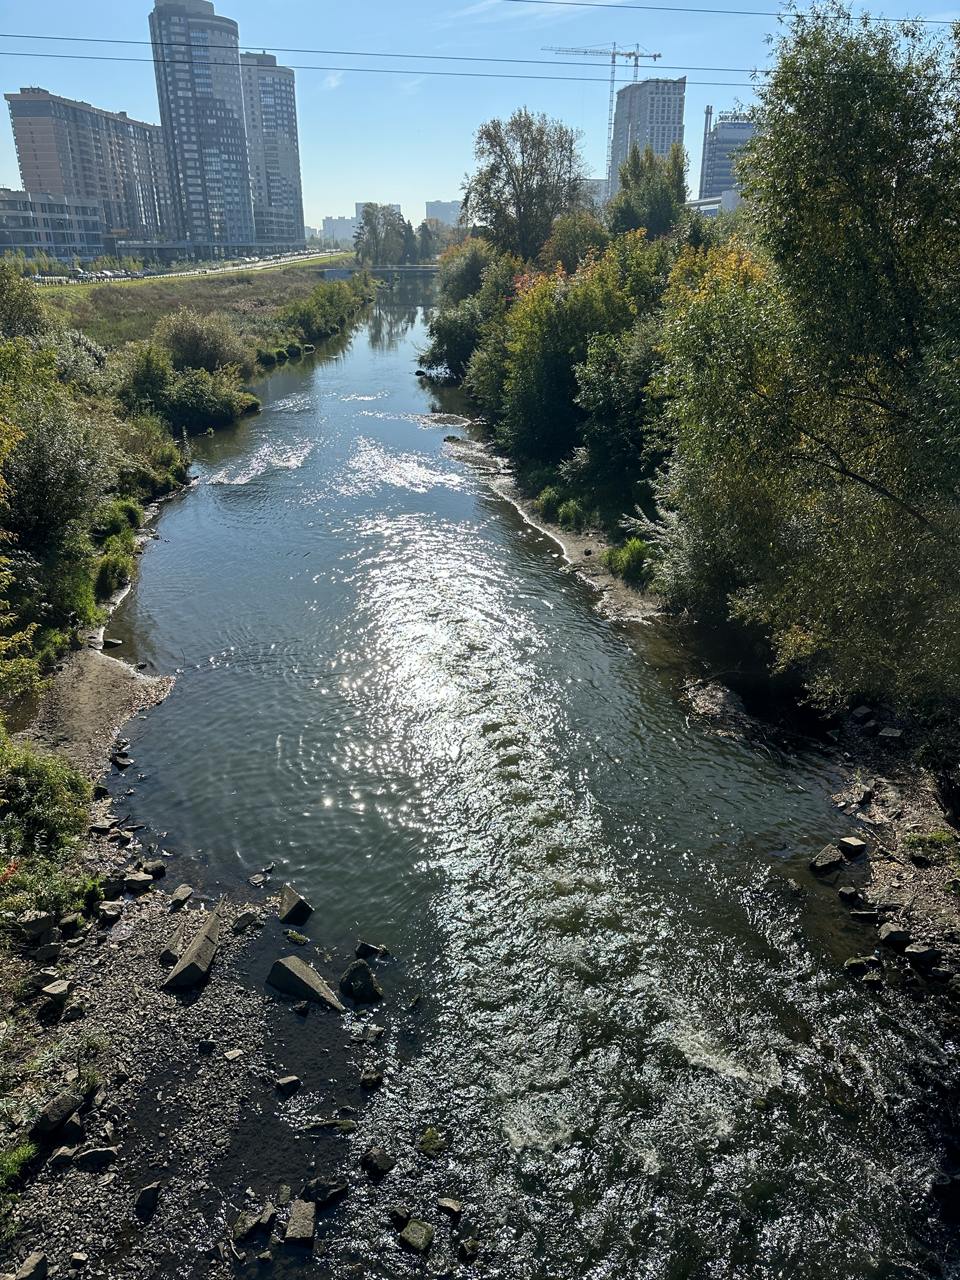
column 195, row 964
column 146, row 1203
column 301, row 1224
column 56, row 1113
column 34, row 1268
column 827, row 861
column 294, row 908
column 294, row 977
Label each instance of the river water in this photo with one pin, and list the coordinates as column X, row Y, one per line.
column 633, row 1030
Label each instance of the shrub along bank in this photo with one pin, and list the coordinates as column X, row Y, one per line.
column 767, row 407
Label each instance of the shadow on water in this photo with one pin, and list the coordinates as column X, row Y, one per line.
column 633, row 1032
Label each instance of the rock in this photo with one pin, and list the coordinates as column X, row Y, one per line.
column 71, row 924
column 417, row 1236
column 400, row 1214
column 325, row 1190
column 57, row 1111
column 71, row 1131
column 371, row 951
column 112, row 887
column 246, row 1225
column 890, row 735
column 173, row 948
column 294, row 909
column 206, row 1047
column 452, row 1208
column 848, row 894
column 34, row 924
column 301, row 1008
column 194, row 965
column 861, row 713
column 828, row 860
column 923, row 956
column 34, row 1268
column 95, row 1159
column 257, row 880
column 233, row 1055
column 137, row 882
column 147, row 1200
column 359, row 982
column 78, row 1261
column 112, row 642
column 469, row 1249
column 301, row 1223
column 856, row 966
column 894, row 935
column 371, row 1078
column 852, row 847
column 377, row 1162
column 62, row 1157
column 432, row 1142
column 180, row 897
column 299, row 939
column 121, row 760
column 268, row 1217
column 109, row 913
column 331, row 1124
column 287, row 1085
column 48, row 953
column 156, row 868
column 294, row 977
column 865, row 915
column 245, row 920
column 58, row 992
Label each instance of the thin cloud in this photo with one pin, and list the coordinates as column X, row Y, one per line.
column 411, row 86
column 333, row 80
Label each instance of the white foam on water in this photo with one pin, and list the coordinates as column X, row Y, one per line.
column 269, row 457
column 372, row 467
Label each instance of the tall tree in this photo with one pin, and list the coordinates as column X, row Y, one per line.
column 652, row 192
column 529, row 170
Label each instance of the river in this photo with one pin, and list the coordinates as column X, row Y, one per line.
column 633, row 1029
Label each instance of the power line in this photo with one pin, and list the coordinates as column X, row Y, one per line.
column 388, row 71
column 720, row 13
column 360, row 53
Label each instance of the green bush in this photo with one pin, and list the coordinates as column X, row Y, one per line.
column 294, row 350
column 266, row 358
column 197, row 400
column 120, row 515
column 571, row 515
column 13, row 1161
column 630, row 562
column 114, row 570
column 43, row 807
column 280, row 356
column 208, row 342
column 549, row 501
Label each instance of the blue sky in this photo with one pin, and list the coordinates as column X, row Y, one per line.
column 403, row 136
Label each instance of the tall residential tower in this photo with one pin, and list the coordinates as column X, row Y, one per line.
column 649, row 114
column 270, row 111
column 196, row 57
column 721, row 142
column 72, row 149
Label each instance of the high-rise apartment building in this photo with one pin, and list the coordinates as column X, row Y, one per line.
column 649, row 114
column 197, row 62
column 446, row 212
column 721, row 143
column 270, row 112
column 69, row 148
column 60, row 226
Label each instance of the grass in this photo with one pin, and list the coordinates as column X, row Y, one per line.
column 127, row 310
column 630, row 562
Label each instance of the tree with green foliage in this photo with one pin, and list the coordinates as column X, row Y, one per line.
column 21, row 311
column 573, row 237
column 653, row 192
column 380, row 236
column 209, row 342
column 529, row 171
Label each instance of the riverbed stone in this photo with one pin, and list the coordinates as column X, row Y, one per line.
column 180, row 896
column 852, row 847
column 894, row 935
column 137, row 882
column 857, row 966
column 247, row 1225
column 301, row 1224
column 147, row 1200
column 359, row 982
column 173, row 948
column 377, row 1162
column 400, row 1214
column 469, row 1249
column 245, row 920
column 828, row 860
column 156, row 868
column 324, row 1191
column 432, row 1142
column 95, row 1159
column 417, row 1236
column 294, row 908
column 451, row 1207
column 294, row 977
column 922, row 955
column 35, row 1267
column 195, row 964
column 288, row 1085
column 34, row 924
column 371, row 951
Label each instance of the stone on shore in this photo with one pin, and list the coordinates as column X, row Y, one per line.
column 852, row 847
column 923, row 956
column 377, row 1162
column 417, row 1236
column 146, row 1202
column 95, row 1159
column 294, row 977
column 194, row 965
column 359, row 982
column 56, row 1113
column 827, row 861
column 894, row 935
column 452, row 1208
column 137, row 882
column 294, row 908
column 34, row 1268
column 287, row 1085
column 34, row 924
column 325, row 1190
column 180, row 896
column 173, row 948
column 301, row 1223
column 245, row 920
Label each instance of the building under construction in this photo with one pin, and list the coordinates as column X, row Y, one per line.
column 721, row 143
column 649, row 114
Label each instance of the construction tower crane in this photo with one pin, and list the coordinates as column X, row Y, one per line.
column 613, row 52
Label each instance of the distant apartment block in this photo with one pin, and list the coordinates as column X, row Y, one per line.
column 648, row 114
column 270, row 112
column 196, row 57
column 75, row 150
column 61, row 226
column 342, row 230
column 359, row 208
column 445, row 211
column 721, row 143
